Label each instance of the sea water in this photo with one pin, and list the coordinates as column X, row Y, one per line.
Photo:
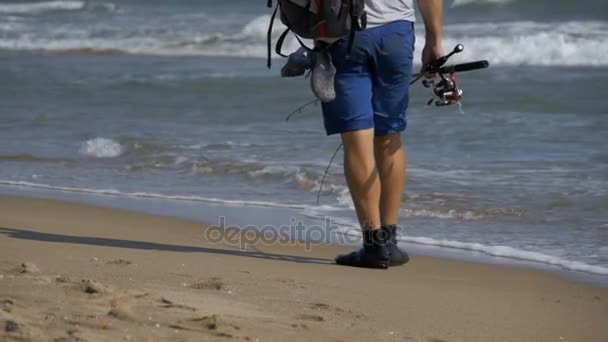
column 172, row 101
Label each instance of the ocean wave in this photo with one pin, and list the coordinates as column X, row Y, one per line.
column 101, row 148
column 563, row 6
column 220, row 146
column 349, row 226
column 37, row 7
column 25, row 157
column 307, row 178
column 47, row 6
column 344, row 201
column 273, row 171
column 466, row 215
column 114, row 192
column 573, row 43
column 459, row 3
column 509, row 252
column 311, row 182
column 496, row 251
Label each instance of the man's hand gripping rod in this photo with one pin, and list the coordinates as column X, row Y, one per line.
column 446, row 89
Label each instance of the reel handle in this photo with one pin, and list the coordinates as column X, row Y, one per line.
column 457, row 49
column 434, row 67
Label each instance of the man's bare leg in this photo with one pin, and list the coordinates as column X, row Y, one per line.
column 364, row 185
column 391, row 164
column 362, row 176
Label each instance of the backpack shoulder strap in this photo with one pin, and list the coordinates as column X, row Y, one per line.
column 281, row 40
column 269, row 34
column 279, row 47
column 358, row 23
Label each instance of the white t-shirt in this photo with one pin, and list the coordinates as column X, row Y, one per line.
column 380, row 12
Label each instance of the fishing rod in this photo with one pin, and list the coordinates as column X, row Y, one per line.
column 445, row 90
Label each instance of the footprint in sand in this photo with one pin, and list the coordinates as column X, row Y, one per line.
column 121, row 310
column 334, row 310
column 119, row 261
column 63, row 280
column 141, row 295
column 26, row 268
column 95, row 287
column 11, row 326
column 17, row 331
column 291, row 283
column 169, row 304
column 7, row 304
column 214, row 283
column 320, row 306
column 312, row 318
column 214, row 324
column 301, row 325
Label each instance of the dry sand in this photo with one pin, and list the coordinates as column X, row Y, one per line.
column 72, row 272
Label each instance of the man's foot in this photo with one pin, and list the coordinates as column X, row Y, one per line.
column 374, row 253
column 397, row 256
column 298, row 62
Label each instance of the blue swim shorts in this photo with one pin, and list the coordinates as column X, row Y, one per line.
column 372, row 85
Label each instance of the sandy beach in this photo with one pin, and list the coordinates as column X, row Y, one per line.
column 71, row 272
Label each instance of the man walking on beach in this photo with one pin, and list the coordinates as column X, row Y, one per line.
column 369, row 113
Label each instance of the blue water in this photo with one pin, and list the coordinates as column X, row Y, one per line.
column 172, row 101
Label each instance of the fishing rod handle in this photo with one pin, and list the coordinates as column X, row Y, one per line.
column 465, row 67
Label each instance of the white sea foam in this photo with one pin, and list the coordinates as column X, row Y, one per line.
column 114, row 192
column 498, row 251
column 348, row 225
column 32, row 8
column 180, row 160
column 450, row 214
column 510, row 252
column 343, row 195
column 37, row 7
column 458, row 3
column 312, row 184
column 574, row 43
column 101, row 148
column 272, row 170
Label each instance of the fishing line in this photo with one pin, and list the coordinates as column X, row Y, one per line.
column 299, row 109
column 326, row 171
column 446, row 91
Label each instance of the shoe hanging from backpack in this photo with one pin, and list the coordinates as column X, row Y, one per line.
column 315, row 19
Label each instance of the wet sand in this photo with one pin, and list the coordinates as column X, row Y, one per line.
column 71, row 272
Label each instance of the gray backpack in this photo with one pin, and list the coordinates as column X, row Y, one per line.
column 314, row 19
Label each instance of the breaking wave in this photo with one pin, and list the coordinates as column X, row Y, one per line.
column 101, row 148
column 48, row 6
column 511, row 253
column 458, row 3
column 574, row 43
column 496, row 251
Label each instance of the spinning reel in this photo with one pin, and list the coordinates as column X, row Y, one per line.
column 446, row 89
